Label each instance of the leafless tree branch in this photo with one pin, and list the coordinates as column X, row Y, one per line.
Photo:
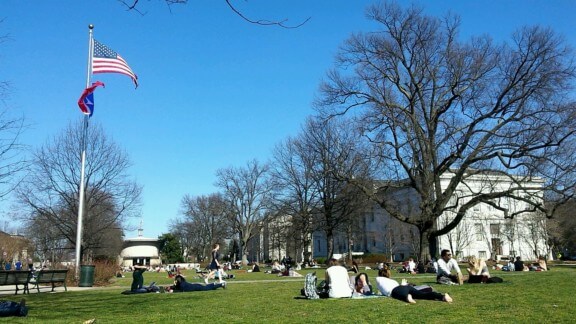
column 133, row 5
column 264, row 22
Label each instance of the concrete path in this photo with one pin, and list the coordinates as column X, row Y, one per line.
column 11, row 289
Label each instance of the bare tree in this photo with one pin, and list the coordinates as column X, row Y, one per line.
column 460, row 237
column 336, row 154
column 295, row 194
column 51, row 189
column 279, row 232
column 562, row 230
column 248, row 192
column 535, row 234
column 190, row 237
column 12, row 160
column 50, row 246
column 433, row 105
column 510, row 231
column 391, row 239
column 489, row 236
column 205, row 222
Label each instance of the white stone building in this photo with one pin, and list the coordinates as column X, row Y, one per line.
column 484, row 231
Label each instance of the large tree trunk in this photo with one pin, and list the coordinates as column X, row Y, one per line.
column 330, row 245
column 432, row 248
column 428, row 245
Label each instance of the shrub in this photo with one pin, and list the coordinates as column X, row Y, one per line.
column 104, row 271
column 375, row 258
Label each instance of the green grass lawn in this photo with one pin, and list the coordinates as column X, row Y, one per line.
column 546, row 297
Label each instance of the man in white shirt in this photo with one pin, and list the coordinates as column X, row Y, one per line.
column 338, row 280
column 446, row 265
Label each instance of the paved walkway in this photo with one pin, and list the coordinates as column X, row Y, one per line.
column 11, row 289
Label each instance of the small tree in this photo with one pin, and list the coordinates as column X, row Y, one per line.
column 248, row 193
column 50, row 191
column 204, row 221
column 170, row 248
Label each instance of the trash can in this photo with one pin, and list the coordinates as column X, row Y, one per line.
column 86, row 276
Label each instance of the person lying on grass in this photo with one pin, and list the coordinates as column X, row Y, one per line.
column 181, row 285
column 11, row 308
column 404, row 292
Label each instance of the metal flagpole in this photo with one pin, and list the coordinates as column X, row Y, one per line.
column 81, row 194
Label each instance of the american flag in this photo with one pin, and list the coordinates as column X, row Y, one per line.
column 105, row 60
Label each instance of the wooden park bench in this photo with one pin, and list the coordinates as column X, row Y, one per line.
column 49, row 277
column 15, row 277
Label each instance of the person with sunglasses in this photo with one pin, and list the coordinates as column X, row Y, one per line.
column 449, row 272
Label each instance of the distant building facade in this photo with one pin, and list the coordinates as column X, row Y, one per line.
column 13, row 248
column 484, row 231
column 275, row 239
column 140, row 250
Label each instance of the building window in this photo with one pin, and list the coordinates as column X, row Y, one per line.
column 478, row 231
column 482, row 254
column 495, row 229
column 318, row 246
column 497, row 246
column 504, row 203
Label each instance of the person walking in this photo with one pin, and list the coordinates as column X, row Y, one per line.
column 214, row 265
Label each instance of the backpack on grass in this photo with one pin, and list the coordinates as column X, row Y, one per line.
column 309, row 290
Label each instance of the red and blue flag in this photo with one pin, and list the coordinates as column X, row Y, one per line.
column 86, row 101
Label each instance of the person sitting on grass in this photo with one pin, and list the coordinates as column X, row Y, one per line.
column 181, row 285
column 337, row 280
column 411, row 266
column 519, row 264
column 276, row 268
column 446, row 265
column 477, row 270
column 404, row 292
column 354, row 267
column 138, row 278
column 542, row 263
column 362, row 285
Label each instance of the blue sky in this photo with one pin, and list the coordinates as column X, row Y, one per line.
column 215, row 91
